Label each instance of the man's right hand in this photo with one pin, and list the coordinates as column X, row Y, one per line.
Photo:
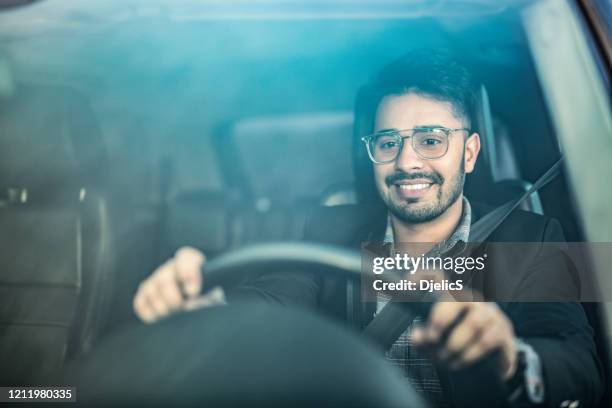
column 172, row 286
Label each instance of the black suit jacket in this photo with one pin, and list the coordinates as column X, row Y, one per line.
column 558, row 331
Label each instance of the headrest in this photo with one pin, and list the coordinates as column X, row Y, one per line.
column 285, row 158
column 365, row 110
column 200, row 219
column 483, row 176
column 49, row 141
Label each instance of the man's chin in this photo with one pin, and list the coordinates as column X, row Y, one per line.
column 414, row 212
column 413, row 203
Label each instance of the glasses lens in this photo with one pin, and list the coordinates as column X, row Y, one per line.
column 431, row 144
column 385, row 147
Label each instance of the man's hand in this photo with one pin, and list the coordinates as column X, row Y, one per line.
column 483, row 328
column 171, row 287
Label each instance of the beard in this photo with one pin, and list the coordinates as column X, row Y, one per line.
column 411, row 210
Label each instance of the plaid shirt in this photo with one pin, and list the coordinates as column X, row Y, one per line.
column 417, row 368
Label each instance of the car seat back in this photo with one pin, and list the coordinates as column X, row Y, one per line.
column 54, row 240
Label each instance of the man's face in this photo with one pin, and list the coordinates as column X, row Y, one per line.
column 417, row 190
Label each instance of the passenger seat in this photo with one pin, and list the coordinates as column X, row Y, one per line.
column 54, row 238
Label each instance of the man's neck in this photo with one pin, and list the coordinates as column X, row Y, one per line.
column 434, row 231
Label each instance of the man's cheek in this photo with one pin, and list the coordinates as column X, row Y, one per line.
column 381, row 189
column 379, row 178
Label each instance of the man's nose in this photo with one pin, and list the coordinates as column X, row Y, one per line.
column 408, row 159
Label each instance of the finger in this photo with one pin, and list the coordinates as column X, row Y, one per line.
column 442, row 316
column 142, row 309
column 492, row 338
column 465, row 333
column 509, row 355
column 509, row 358
column 169, row 291
column 167, row 268
column 142, row 305
column 188, row 263
column 155, row 301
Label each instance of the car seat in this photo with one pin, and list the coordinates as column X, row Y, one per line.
column 54, row 237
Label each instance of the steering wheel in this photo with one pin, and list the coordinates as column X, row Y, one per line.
column 328, row 259
column 225, row 356
column 248, row 260
column 229, row 269
column 244, row 353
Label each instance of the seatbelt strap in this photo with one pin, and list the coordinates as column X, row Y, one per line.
column 389, row 324
column 485, row 226
column 395, row 317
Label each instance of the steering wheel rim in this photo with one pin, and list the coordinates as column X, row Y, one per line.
column 250, row 259
column 317, row 258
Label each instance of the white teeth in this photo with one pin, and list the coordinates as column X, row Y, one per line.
column 413, row 186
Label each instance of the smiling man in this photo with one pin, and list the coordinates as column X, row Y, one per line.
column 420, row 147
column 415, row 186
column 421, row 190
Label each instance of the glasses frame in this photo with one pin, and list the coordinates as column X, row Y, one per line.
column 398, row 135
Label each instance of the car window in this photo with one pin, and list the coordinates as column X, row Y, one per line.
column 132, row 129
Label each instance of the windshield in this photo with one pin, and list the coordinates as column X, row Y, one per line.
column 141, row 136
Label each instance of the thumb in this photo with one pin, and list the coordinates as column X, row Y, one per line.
column 188, row 268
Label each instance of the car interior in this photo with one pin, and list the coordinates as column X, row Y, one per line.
column 129, row 131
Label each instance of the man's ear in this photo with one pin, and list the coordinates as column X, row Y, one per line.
column 472, row 148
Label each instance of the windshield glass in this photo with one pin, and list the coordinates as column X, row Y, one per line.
column 161, row 157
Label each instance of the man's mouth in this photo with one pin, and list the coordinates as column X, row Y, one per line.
column 413, row 188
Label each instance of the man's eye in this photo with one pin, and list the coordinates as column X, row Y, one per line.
column 385, row 145
column 430, row 142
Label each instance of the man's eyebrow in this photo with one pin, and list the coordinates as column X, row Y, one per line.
column 433, row 125
column 427, row 126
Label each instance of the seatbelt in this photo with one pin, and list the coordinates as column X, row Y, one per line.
column 486, row 225
column 395, row 317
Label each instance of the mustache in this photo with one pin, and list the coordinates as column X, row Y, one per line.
column 435, row 178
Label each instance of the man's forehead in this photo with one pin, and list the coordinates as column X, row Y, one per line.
column 410, row 110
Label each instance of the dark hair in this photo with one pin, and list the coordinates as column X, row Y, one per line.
column 437, row 74
column 433, row 73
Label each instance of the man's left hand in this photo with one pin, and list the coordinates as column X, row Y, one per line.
column 482, row 329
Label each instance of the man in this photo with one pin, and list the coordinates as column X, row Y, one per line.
column 421, row 147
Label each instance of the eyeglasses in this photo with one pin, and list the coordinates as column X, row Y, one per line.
column 428, row 143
